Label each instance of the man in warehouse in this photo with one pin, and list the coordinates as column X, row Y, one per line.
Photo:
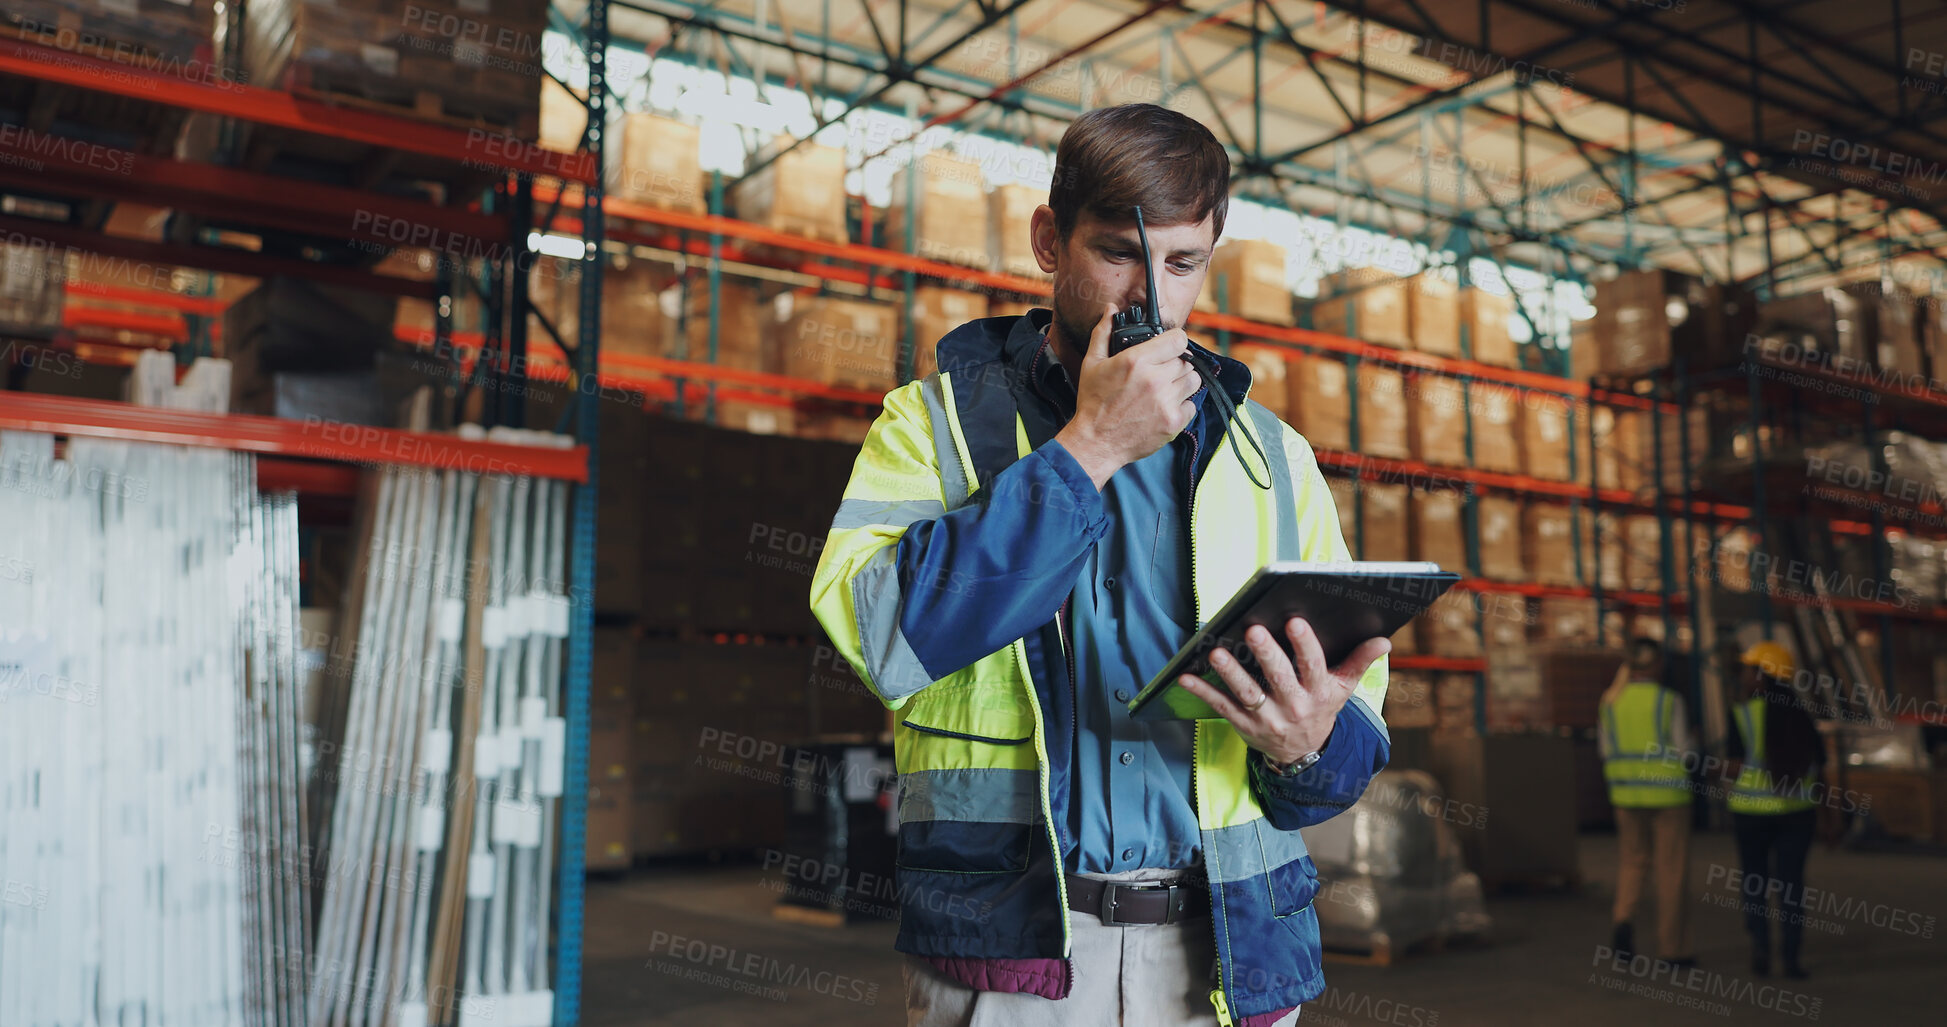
column 1644, row 733
column 1028, row 535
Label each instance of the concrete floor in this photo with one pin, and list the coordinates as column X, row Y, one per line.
column 1877, row 960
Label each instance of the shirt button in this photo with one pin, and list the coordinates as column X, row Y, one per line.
column 1128, row 855
column 1121, row 695
column 1128, row 757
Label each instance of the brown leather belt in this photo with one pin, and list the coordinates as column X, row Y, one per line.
column 1156, row 903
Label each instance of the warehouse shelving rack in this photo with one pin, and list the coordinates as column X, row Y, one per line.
column 299, row 456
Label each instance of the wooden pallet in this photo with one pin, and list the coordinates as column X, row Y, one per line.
column 384, row 95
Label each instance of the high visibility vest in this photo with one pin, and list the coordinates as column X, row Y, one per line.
column 971, row 749
column 1756, row 792
column 1643, row 769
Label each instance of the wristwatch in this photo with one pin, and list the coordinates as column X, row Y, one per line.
column 1295, row 767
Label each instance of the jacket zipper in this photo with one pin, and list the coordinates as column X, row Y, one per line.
column 1217, row 998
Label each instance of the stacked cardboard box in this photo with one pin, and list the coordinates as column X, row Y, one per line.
column 1451, row 627
column 1507, row 618
column 1567, row 619
column 1345, row 503
column 1517, row 699
column 1545, row 436
column 948, row 186
column 173, row 38
column 33, row 289
column 1500, row 538
column 1440, row 528
column 1382, row 412
column 1825, row 322
column 937, row 310
column 408, row 56
column 1268, row 376
column 1369, row 304
column 837, row 341
column 1496, row 443
column 1619, row 448
column 1548, row 533
column 1409, row 700
column 1317, row 400
column 564, row 116
column 741, row 341
column 1454, row 710
column 1550, row 686
column 1252, row 277
column 1643, row 562
column 800, row 193
column 638, row 312
column 1632, row 329
column 1010, row 236
column 1888, row 324
column 1384, row 528
column 656, row 163
column 1486, row 316
column 1438, row 415
column 1612, row 549
column 1434, row 306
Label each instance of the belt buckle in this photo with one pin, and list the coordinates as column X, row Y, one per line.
column 1109, row 901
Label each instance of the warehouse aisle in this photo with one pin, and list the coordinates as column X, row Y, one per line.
column 699, row 946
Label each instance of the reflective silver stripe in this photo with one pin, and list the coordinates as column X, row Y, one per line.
column 953, row 477
column 1358, row 702
column 989, row 795
column 887, row 513
column 1243, row 851
column 1270, row 433
column 896, row 671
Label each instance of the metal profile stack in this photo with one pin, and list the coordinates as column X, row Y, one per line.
column 148, row 802
column 437, row 860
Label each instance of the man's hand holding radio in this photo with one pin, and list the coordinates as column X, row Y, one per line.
column 1131, row 404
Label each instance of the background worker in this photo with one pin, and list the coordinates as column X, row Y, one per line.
column 1775, row 752
column 1644, row 734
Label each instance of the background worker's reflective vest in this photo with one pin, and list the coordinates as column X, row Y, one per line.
column 1643, row 768
column 1756, row 792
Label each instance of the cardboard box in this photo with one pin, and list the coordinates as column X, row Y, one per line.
column 1496, row 446
column 1567, row 619
column 1891, row 329
column 1548, row 535
column 638, row 313
column 1384, row 530
column 1382, row 412
column 1450, row 627
column 1268, row 375
column 33, row 289
column 1486, row 316
column 1618, row 448
column 1318, row 402
column 948, row 187
column 1632, row 330
column 1409, row 700
column 1612, row 548
column 801, row 193
column 1010, row 235
column 1545, row 436
column 1434, row 305
column 1368, row 304
column 1438, row 417
column 1500, row 538
column 937, row 310
column 1251, row 273
column 741, row 337
column 1440, row 528
column 1454, row 706
column 837, row 341
column 1643, row 560
column 1506, row 618
column 1517, row 699
column 656, row 164
column 1902, row 800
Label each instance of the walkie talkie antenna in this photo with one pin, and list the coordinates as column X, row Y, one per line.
column 1149, row 270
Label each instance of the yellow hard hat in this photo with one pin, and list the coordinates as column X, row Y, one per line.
column 1772, row 658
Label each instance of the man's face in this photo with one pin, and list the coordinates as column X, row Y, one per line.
column 1101, row 262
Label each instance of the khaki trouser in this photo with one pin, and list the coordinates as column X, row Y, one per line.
column 1661, row 836
column 1132, row 975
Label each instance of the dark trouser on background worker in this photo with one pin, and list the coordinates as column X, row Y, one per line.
column 1772, row 851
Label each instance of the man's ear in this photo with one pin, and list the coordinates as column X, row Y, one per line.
column 1046, row 240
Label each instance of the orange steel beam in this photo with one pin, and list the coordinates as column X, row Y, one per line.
column 285, row 110
column 204, row 306
column 315, row 439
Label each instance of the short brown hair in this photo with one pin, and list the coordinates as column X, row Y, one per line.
column 1115, row 158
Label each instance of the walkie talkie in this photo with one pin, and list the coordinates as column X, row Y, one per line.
column 1144, row 321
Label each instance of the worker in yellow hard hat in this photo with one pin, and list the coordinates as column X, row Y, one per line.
column 1775, row 752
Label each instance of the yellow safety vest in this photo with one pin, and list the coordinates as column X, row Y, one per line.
column 1642, row 769
column 1756, row 792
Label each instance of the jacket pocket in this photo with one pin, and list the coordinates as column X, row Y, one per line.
column 962, row 847
column 1293, row 887
column 965, row 736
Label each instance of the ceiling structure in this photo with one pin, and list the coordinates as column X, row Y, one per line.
column 1786, row 143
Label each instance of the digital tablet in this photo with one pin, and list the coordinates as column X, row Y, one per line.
column 1345, row 603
